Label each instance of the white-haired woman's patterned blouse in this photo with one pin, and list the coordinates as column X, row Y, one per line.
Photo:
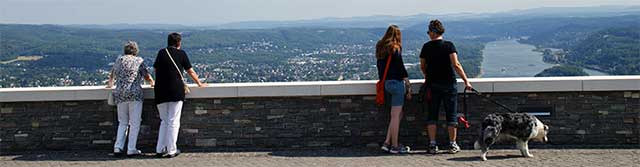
column 129, row 72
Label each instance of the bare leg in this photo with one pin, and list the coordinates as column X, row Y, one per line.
column 388, row 139
column 396, row 113
column 431, row 130
column 453, row 133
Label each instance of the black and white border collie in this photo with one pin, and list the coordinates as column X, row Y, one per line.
column 520, row 127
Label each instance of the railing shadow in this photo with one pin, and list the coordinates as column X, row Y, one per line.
column 345, row 153
column 477, row 158
column 72, row 156
column 292, row 153
column 102, row 155
column 329, row 153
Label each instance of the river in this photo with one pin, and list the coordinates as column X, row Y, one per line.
column 509, row 58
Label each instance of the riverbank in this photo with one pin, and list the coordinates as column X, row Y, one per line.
column 510, row 58
column 22, row 58
column 557, row 57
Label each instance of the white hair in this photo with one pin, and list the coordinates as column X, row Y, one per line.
column 131, row 48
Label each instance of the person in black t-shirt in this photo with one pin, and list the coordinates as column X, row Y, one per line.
column 170, row 93
column 438, row 62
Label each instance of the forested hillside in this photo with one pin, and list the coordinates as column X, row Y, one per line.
column 81, row 56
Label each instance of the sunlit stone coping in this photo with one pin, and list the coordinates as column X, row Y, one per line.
column 334, row 88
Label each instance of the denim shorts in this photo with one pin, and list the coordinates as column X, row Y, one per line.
column 396, row 89
column 448, row 97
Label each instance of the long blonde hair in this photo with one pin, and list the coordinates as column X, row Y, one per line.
column 390, row 42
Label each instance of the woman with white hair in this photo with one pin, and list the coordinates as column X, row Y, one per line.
column 128, row 73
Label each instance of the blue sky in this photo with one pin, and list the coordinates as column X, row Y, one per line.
column 209, row 12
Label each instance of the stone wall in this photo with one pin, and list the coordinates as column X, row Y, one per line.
column 592, row 119
column 577, row 119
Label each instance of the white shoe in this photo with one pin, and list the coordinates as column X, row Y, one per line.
column 454, row 148
column 134, row 152
column 117, row 152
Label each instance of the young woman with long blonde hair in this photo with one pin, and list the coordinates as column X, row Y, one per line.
column 395, row 84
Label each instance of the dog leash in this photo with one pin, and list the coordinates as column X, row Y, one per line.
column 485, row 97
column 465, row 109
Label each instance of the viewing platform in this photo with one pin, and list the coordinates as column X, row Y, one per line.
column 592, row 112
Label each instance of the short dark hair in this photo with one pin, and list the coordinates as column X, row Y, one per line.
column 436, row 26
column 174, row 38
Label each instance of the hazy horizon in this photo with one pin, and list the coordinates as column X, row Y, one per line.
column 68, row 12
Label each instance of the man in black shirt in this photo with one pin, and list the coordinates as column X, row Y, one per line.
column 170, row 93
column 438, row 61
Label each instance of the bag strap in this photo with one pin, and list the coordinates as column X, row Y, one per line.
column 386, row 68
column 426, row 66
column 174, row 64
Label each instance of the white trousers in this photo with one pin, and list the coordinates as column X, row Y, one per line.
column 128, row 118
column 170, row 124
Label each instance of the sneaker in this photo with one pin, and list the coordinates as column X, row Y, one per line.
column 454, row 148
column 160, row 155
column 385, row 147
column 133, row 153
column 172, row 155
column 400, row 150
column 404, row 149
column 117, row 152
column 432, row 149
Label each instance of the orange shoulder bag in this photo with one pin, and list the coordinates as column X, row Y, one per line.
column 380, row 84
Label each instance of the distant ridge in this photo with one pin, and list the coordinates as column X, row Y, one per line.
column 378, row 21
column 131, row 26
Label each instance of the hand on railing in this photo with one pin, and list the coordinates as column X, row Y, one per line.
column 202, row 84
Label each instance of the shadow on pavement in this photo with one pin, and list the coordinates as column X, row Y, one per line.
column 346, row 152
column 73, row 156
column 489, row 158
column 330, row 153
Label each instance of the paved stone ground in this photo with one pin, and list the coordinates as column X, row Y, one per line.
column 335, row 157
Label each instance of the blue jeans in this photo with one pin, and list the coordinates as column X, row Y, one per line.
column 396, row 89
column 446, row 95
